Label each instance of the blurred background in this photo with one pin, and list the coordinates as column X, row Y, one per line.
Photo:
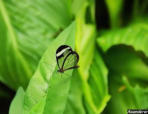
column 115, row 30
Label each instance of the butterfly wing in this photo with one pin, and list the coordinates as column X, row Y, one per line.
column 61, row 54
column 70, row 61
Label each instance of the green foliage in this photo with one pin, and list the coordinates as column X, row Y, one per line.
column 126, row 62
column 114, row 8
column 17, row 102
column 46, row 82
column 125, row 96
column 75, row 97
column 113, row 64
column 26, row 29
column 98, row 83
column 134, row 35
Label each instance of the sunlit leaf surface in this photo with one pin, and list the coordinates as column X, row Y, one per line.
column 47, row 82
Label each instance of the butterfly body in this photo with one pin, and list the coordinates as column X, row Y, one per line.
column 66, row 58
column 61, row 70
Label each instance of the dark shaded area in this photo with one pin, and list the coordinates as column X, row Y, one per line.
column 88, row 19
column 127, row 11
column 130, row 9
column 142, row 7
column 102, row 15
column 5, row 99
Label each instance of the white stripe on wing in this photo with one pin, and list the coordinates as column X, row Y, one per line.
column 62, row 51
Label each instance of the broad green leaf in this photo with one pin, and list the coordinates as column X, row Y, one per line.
column 26, row 28
column 125, row 61
column 57, row 93
column 134, row 35
column 98, row 82
column 125, row 96
column 49, row 89
column 74, row 103
column 16, row 106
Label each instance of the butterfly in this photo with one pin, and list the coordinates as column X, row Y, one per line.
column 66, row 58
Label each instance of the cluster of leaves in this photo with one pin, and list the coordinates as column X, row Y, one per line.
column 111, row 44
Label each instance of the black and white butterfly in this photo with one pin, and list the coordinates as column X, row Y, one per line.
column 66, row 58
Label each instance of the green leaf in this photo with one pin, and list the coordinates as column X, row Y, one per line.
column 26, row 29
column 85, row 39
column 76, row 5
column 98, row 82
column 85, row 44
column 49, row 89
column 114, row 8
column 74, row 103
column 134, row 35
column 140, row 95
column 125, row 61
column 16, row 106
column 125, row 96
